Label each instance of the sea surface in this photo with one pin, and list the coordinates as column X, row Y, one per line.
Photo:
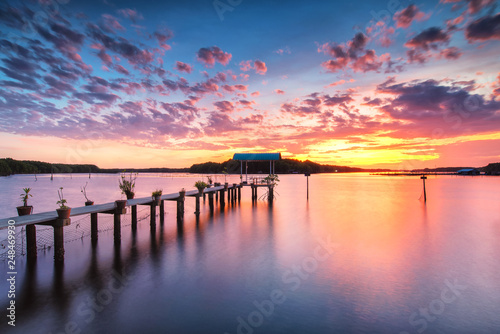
column 364, row 254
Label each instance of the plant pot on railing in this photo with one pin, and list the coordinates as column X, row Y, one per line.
column 89, row 203
column 130, row 195
column 63, row 213
column 24, row 210
column 120, row 204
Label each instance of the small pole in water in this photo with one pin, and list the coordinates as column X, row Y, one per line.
column 307, row 177
column 51, row 173
column 90, row 171
column 423, row 177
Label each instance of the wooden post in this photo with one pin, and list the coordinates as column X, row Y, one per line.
column 239, row 192
column 423, row 177
column 117, row 227
column 211, row 201
column 216, row 196
column 234, row 192
column 180, row 207
column 134, row 217
column 162, row 212
column 31, row 242
column 152, row 216
column 307, row 177
column 222, row 196
column 229, row 195
column 197, row 211
column 58, row 243
column 270, row 193
column 93, row 227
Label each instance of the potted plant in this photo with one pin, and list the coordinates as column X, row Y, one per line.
column 127, row 186
column 84, row 192
column 157, row 196
column 25, row 209
column 200, row 185
column 210, row 182
column 120, row 204
column 64, row 211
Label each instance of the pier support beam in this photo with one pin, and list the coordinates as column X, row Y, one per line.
column 134, row 217
column 93, row 227
column 180, row 207
column 222, row 194
column 239, row 192
column 58, row 243
column 211, row 201
column 152, row 216
column 58, row 226
column 197, row 210
column 162, row 212
column 31, row 242
column 117, row 226
column 270, row 193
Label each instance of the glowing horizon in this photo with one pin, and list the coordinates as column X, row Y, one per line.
column 378, row 85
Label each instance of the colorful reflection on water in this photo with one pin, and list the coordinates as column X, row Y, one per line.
column 363, row 255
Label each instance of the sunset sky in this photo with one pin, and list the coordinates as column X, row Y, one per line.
column 170, row 83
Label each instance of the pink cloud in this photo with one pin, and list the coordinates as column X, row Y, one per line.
column 484, row 28
column 209, row 56
column 352, row 55
column 340, row 82
column 405, row 17
column 279, row 92
column 451, row 53
column 246, row 65
column 230, row 89
column 121, row 69
column 183, row 67
column 254, row 94
column 283, row 51
column 224, row 106
column 130, row 14
column 110, row 23
column 260, row 67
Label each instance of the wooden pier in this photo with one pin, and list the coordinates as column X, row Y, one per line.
column 117, row 209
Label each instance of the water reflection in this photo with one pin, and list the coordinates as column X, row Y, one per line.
column 393, row 256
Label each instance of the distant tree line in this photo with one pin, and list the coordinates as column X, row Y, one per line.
column 284, row 166
column 10, row 166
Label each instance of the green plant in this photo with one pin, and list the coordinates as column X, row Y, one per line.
column 157, row 192
column 24, row 197
column 209, row 179
column 127, row 186
column 62, row 201
column 200, row 185
column 272, row 179
column 84, row 191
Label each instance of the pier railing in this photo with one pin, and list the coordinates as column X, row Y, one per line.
column 51, row 218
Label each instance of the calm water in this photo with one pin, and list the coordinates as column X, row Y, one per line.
column 363, row 255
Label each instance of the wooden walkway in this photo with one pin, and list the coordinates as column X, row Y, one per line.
column 51, row 218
